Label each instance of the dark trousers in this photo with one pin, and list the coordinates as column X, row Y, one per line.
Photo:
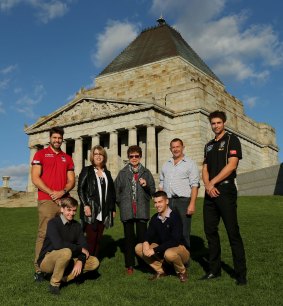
column 224, row 206
column 94, row 234
column 180, row 205
column 132, row 238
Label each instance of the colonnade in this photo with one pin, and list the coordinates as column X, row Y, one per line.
column 116, row 143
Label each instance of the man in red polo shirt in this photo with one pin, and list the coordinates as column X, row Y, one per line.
column 53, row 174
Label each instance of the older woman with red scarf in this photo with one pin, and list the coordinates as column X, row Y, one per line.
column 134, row 188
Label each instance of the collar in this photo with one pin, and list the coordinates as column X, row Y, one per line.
column 51, row 151
column 224, row 136
column 64, row 220
column 167, row 215
column 185, row 159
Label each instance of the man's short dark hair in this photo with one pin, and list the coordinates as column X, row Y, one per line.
column 134, row 149
column 69, row 202
column 217, row 114
column 56, row 130
column 160, row 193
column 175, row 140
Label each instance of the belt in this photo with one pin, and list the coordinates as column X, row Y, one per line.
column 226, row 182
column 177, row 197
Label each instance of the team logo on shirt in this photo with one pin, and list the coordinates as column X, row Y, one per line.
column 63, row 159
column 209, row 148
column 221, row 146
column 233, row 152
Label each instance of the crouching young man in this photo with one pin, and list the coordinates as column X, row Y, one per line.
column 164, row 240
column 64, row 252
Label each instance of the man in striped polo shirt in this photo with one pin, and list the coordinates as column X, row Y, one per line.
column 179, row 178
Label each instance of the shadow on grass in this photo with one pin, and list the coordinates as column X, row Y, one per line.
column 108, row 247
column 200, row 254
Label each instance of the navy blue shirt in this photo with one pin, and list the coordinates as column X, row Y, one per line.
column 167, row 234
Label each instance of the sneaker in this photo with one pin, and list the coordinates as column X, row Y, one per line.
column 54, row 290
column 38, row 277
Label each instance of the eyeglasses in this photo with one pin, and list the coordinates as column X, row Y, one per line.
column 98, row 154
column 134, row 156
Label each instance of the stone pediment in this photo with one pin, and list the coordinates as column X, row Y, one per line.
column 84, row 111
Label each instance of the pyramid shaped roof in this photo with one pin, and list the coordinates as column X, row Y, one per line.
column 154, row 44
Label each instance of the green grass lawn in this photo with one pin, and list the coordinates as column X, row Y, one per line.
column 261, row 223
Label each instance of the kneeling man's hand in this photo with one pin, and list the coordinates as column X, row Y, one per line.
column 77, row 268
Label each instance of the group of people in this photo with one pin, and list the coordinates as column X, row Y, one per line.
column 66, row 248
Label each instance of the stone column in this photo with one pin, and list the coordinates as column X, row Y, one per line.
column 113, row 156
column 5, row 187
column 151, row 149
column 132, row 138
column 64, row 145
column 6, row 180
column 78, row 155
column 95, row 140
column 31, row 187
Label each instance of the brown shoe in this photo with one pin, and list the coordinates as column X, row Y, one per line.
column 183, row 277
column 157, row 276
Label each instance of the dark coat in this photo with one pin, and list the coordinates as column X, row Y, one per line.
column 123, row 186
column 88, row 191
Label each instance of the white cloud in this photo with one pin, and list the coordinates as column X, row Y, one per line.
column 4, row 80
column 45, row 10
column 8, row 69
column 115, row 37
column 250, row 101
column 231, row 46
column 49, row 11
column 26, row 103
column 4, row 84
column 18, row 174
column 6, row 5
column 2, row 110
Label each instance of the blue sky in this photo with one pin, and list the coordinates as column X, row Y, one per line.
column 50, row 49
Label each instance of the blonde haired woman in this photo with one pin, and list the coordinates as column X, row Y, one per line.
column 97, row 196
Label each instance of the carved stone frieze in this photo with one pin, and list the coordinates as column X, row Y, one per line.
column 88, row 110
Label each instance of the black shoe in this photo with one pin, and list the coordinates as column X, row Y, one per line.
column 241, row 281
column 54, row 290
column 38, row 277
column 209, row 276
column 80, row 279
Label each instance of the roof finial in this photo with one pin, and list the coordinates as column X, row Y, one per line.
column 161, row 20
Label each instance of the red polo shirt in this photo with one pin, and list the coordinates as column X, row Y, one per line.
column 54, row 169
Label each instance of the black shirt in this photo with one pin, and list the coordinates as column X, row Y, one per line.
column 60, row 235
column 216, row 154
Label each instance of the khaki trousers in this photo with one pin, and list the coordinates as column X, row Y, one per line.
column 47, row 209
column 57, row 261
column 178, row 256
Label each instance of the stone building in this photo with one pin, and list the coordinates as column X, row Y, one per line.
column 157, row 89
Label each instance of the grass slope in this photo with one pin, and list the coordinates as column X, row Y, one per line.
column 261, row 226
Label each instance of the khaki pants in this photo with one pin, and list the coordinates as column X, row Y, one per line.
column 57, row 261
column 47, row 209
column 178, row 256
